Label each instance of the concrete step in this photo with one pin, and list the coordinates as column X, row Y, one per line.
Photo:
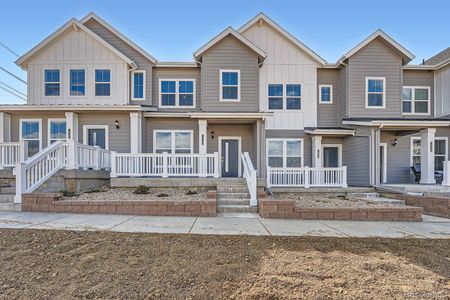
column 233, row 195
column 387, row 200
column 233, row 202
column 10, row 207
column 232, row 189
column 237, row 209
column 8, row 190
column 6, row 198
column 362, row 195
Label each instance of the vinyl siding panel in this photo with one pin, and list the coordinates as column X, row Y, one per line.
column 230, row 53
column 356, row 156
column 170, row 124
column 327, row 114
column 342, row 94
column 442, row 95
column 374, row 60
column 177, row 73
column 421, row 78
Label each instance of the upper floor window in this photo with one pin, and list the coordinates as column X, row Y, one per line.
column 230, row 85
column 103, row 82
column 286, row 96
column 56, row 130
column 375, row 92
column 416, row 100
column 177, row 93
column 138, row 85
column 325, row 93
column 173, row 141
column 77, row 83
column 285, row 153
column 52, row 82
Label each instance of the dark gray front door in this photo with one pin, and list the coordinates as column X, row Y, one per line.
column 330, row 157
column 230, row 158
column 97, row 137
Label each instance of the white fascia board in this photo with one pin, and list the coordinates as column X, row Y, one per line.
column 70, row 107
column 331, row 132
column 405, row 123
column 230, row 115
column 286, row 34
column 170, row 64
column 165, row 115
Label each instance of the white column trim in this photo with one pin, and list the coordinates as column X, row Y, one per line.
column 316, row 144
column 72, row 126
column 5, row 122
column 202, row 136
column 427, row 156
column 135, row 132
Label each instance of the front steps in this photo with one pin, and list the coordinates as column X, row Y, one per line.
column 7, row 193
column 233, row 196
column 375, row 197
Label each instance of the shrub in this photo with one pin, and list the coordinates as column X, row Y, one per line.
column 94, row 190
column 189, row 193
column 67, row 193
column 141, row 190
column 162, row 195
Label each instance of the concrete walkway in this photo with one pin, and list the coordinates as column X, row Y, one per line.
column 232, row 224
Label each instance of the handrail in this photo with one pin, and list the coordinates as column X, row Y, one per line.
column 250, row 177
column 11, row 153
column 307, row 177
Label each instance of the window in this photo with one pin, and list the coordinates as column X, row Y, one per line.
column 177, row 93
column 56, row 130
column 229, row 85
column 138, row 85
column 173, row 141
column 30, row 131
column 291, row 100
column 325, row 93
column 285, row 153
column 416, row 100
column 52, row 82
column 440, row 152
column 77, row 83
column 375, row 92
column 102, row 82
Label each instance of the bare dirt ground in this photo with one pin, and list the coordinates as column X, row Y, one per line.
column 103, row 265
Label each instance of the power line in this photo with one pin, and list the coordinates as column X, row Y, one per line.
column 10, row 87
column 13, row 93
column 13, row 75
column 9, row 49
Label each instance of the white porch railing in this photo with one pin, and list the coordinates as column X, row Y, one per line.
column 249, row 174
column 11, row 153
column 33, row 172
column 164, row 165
column 307, row 177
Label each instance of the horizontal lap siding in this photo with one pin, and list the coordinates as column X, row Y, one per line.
column 327, row 113
column 170, row 124
column 230, row 53
column 293, row 134
column 342, row 94
column 421, row 78
column 442, row 97
column 243, row 131
column 356, row 156
column 375, row 60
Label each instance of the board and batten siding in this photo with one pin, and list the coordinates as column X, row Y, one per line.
column 77, row 50
column 421, row 78
column 141, row 61
column 229, row 53
column 374, row 60
column 285, row 63
column 442, row 92
column 327, row 113
column 356, row 156
column 176, row 73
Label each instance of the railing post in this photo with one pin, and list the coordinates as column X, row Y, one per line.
column 113, row 164
column 254, row 187
column 344, row 176
column 165, row 173
column 21, row 183
column 72, row 159
column 307, row 177
column 268, row 178
column 23, row 151
column 97, row 158
column 216, row 165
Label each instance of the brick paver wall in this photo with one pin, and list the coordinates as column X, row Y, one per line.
column 433, row 205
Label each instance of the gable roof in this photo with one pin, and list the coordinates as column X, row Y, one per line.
column 72, row 23
column 222, row 35
column 402, row 51
column 133, row 45
column 439, row 58
column 262, row 17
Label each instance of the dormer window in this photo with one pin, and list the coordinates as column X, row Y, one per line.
column 230, row 85
column 52, row 82
column 375, row 92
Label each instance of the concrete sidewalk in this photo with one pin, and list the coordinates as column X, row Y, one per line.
column 232, row 224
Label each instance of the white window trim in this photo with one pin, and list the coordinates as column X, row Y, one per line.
column 238, row 86
column 40, row 131
column 110, row 83
column 85, row 133
column 320, row 93
column 384, row 93
column 172, row 132
column 49, row 121
column 285, row 97
column 60, row 83
column 339, row 146
column 144, row 85
column 413, row 100
column 70, row 84
column 219, row 146
column 177, row 93
column 302, row 152
column 418, row 138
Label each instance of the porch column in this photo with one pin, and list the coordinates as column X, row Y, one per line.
column 316, row 144
column 72, row 126
column 427, row 156
column 202, row 137
column 258, row 147
column 377, row 137
column 5, row 127
column 135, row 132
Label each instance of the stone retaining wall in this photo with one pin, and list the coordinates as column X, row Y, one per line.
column 285, row 209
column 51, row 202
column 433, row 205
column 75, row 181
